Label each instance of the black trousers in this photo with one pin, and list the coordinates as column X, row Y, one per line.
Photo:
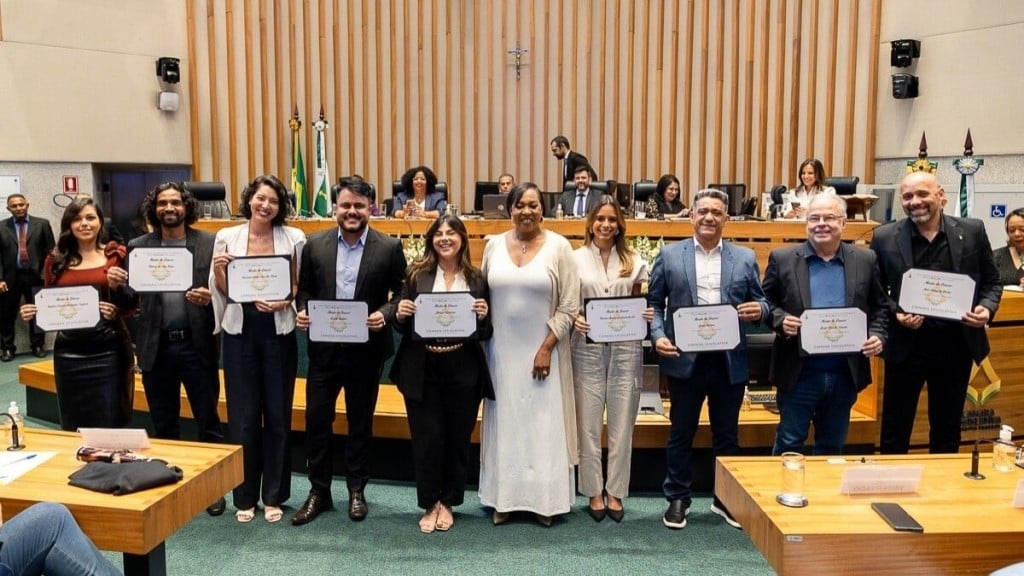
column 356, row 369
column 441, row 424
column 941, row 358
column 178, row 363
column 259, row 379
column 19, row 289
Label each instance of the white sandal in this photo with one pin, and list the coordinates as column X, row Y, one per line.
column 245, row 516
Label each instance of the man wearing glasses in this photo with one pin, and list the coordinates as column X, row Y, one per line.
column 821, row 273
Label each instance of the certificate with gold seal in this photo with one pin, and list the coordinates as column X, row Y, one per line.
column 615, row 319
column 444, row 315
column 706, row 328
column 833, row 330
column 251, row 278
column 340, row 321
column 67, row 308
column 160, row 269
column 939, row 294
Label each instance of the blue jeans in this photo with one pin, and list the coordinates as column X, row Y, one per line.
column 824, row 398
column 44, row 539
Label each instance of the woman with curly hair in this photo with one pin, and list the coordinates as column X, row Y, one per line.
column 419, row 197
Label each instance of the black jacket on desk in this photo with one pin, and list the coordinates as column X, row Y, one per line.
column 788, row 288
column 381, row 270
column 38, row 240
column 408, row 369
column 971, row 254
column 200, row 319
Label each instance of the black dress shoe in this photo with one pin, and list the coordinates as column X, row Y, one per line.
column 7, row 355
column 597, row 513
column 357, row 508
column 315, row 504
column 616, row 515
column 217, row 508
column 39, row 352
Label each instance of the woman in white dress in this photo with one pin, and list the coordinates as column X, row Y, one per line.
column 607, row 374
column 528, row 439
column 812, row 182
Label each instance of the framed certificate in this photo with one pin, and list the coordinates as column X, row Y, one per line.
column 160, row 269
column 251, row 278
column 67, row 308
column 706, row 328
column 938, row 294
column 444, row 315
column 339, row 321
column 833, row 330
column 615, row 319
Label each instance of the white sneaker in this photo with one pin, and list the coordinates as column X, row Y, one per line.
column 718, row 508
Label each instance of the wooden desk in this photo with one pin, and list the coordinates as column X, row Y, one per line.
column 135, row 524
column 970, row 526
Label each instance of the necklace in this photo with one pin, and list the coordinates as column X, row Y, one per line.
column 523, row 244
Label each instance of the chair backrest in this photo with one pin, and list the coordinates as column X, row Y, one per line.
column 442, row 187
column 481, row 189
column 643, row 190
column 212, row 198
column 776, row 194
column 736, row 193
column 844, row 185
column 334, row 194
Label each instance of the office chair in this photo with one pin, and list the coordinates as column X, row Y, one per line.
column 844, row 185
column 777, row 193
column 643, row 190
column 212, row 196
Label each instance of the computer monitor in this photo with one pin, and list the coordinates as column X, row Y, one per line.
column 736, row 193
column 483, row 188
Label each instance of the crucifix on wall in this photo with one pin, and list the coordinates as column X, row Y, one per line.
column 518, row 53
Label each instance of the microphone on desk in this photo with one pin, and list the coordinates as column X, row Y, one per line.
column 975, row 459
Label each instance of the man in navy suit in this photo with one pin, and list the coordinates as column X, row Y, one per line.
column 578, row 202
column 933, row 350
column 821, row 273
column 352, row 262
column 22, row 270
column 703, row 270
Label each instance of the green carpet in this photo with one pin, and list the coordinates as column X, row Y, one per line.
column 389, row 541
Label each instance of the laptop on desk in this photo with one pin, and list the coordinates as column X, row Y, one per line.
column 494, row 207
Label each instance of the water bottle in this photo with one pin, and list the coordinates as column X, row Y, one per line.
column 559, row 213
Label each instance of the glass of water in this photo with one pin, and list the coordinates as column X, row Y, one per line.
column 792, row 495
column 207, row 211
column 639, row 210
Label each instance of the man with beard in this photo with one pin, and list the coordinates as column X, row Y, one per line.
column 174, row 339
column 570, row 160
column 933, row 350
column 350, row 263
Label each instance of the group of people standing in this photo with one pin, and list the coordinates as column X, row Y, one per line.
column 546, row 390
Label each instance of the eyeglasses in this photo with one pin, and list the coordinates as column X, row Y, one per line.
column 826, row 218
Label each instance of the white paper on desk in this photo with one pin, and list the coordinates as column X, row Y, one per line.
column 833, row 330
column 615, row 319
column 706, row 328
column 67, row 308
column 1018, row 495
column 115, row 438
column 160, row 269
column 938, row 294
column 251, row 278
column 444, row 315
column 338, row 321
column 14, row 464
column 881, row 479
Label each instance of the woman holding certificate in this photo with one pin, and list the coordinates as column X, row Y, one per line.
column 92, row 367
column 528, row 438
column 443, row 377
column 607, row 372
column 259, row 341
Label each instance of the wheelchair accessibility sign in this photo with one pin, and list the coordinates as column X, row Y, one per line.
column 997, row 211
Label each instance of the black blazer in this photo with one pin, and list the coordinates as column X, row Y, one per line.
column 971, row 254
column 409, row 366
column 572, row 161
column 788, row 288
column 200, row 319
column 38, row 240
column 380, row 276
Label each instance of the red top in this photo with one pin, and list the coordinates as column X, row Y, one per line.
column 95, row 277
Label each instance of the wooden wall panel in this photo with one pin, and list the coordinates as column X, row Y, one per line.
column 712, row 91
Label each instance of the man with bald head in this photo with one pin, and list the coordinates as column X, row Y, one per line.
column 926, row 349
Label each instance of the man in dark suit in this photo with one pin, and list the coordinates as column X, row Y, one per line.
column 352, row 262
column 578, row 202
column 698, row 271
column 174, row 340
column 24, row 243
column 570, row 160
column 821, row 273
column 933, row 350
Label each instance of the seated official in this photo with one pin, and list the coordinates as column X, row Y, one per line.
column 1008, row 258
column 668, row 196
column 812, row 183
column 419, row 197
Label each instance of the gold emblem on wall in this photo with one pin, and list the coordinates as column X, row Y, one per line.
column 979, row 394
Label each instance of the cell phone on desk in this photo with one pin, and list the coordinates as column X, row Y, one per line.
column 896, row 517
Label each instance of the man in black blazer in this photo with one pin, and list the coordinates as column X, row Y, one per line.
column 22, row 271
column 571, row 160
column 371, row 269
column 933, row 350
column 173, row 332
column 821, row 273
column 577, row 203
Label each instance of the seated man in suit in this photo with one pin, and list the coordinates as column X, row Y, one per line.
column 576, row 203
column 506, row 182
column 821, row 273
